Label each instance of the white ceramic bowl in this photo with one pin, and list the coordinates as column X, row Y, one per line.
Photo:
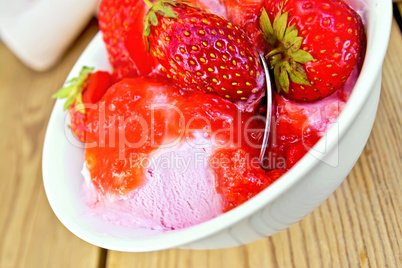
column 288, row 200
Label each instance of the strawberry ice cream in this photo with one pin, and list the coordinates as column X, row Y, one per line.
column 180, row 192
column 163, row 155
column 148, row 155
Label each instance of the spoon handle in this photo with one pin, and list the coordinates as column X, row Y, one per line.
column 269, row 111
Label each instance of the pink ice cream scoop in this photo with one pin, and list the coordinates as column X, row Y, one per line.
column 179, row 192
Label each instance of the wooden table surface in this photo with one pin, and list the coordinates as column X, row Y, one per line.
column 360, row 225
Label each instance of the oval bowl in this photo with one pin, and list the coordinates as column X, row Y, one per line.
column 303, row 188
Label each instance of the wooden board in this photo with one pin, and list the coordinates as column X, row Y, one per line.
column 30, row 233
column 360, row 225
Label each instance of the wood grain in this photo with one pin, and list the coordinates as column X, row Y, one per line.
column 360, row 225
column 30, row 233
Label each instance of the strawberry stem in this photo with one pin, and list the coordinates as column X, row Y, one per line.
column 275, row 51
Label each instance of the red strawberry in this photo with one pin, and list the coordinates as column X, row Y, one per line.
column 77, row 119
column 236, row 177
column 315, row 45
column 87, row 88
column 121, row 22
column 245, row 13
column 201, row 51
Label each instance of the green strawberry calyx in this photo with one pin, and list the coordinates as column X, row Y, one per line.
column 286, row 58
column 72, row 91
column 162, row 7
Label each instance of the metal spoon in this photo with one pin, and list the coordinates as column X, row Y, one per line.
column 269, row 111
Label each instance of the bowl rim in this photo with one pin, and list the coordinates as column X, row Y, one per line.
column 369, row 72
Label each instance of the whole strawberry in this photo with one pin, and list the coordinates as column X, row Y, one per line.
column 315, row 45
column 202, row 51
column 87, row 88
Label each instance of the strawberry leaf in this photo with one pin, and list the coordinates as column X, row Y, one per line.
column 147, row 29
column 284, row 79
column 173, row 3
column 276, row 76
column 70, row 100
column 153, row 19
column 149, row 44
column 301, row 56
column 280, row 23
column 188, row 4
column 293, row 44
column 298, row 75
column 163, row 8
column 168, row 13
column 74, row 87
column 291, row 32
column 72, row 80
column 266, row 28
column 63, row 92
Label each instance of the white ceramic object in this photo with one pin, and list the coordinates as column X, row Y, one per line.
column 38, row 32
column 303, row 188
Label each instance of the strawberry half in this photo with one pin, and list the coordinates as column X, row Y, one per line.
column 315, row 45
column 121, row 23
column 202, row 51
column 87, row 88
